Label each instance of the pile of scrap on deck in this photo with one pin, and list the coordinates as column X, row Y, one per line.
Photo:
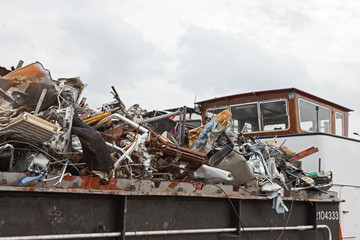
column 47, row 132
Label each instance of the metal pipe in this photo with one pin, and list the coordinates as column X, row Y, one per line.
column 125, row 119
column 65, row 236
column 160, row 117
column 62, row 173
column 166, row 232
column 317, row 118
column 180, row 129
column 299, row 228
column 130, row 122
column 327, row 228
column 119, row 149
column 132, row 147
column 182, row 231
column 183, row 125
column 345, row 185
column 118, row 234
column 260, row 229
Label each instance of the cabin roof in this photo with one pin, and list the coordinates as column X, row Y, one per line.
column 284, row 90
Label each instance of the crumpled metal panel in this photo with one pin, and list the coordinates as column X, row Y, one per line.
column 23, row 87
column 73, row 88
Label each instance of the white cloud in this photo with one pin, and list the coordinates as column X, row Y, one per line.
column 228, row 64
column 158, row 93
column 191, row 46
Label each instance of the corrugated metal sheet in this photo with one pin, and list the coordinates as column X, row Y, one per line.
column 32, row 129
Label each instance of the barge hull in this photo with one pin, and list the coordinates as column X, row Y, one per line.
column 25, row 213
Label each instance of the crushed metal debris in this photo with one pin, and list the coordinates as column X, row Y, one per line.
column 46, row 132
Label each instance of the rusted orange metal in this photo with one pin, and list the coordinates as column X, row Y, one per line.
column 94, row 185
column 31, row 74
column 23, row 88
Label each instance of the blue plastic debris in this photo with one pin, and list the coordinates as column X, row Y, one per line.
column 29, row 180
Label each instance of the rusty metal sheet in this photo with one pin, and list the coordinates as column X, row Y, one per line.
column 94, row 185
column 23, row 87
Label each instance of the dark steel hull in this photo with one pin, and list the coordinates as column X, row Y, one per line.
column 44, row 210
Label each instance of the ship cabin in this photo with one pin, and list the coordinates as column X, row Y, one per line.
column 279, row 112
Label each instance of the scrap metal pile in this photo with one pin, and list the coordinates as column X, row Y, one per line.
column 48, row 132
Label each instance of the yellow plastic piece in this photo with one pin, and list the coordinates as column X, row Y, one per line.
column 97, row 118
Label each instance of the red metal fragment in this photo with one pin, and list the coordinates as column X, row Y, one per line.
column 304, row 154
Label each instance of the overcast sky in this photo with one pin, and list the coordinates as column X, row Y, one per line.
column 163, row 54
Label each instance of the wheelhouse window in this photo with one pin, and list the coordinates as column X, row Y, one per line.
column 314, row 118
column 274, row 116
column 245, row 118
column 258, row 116
column 339, row 124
